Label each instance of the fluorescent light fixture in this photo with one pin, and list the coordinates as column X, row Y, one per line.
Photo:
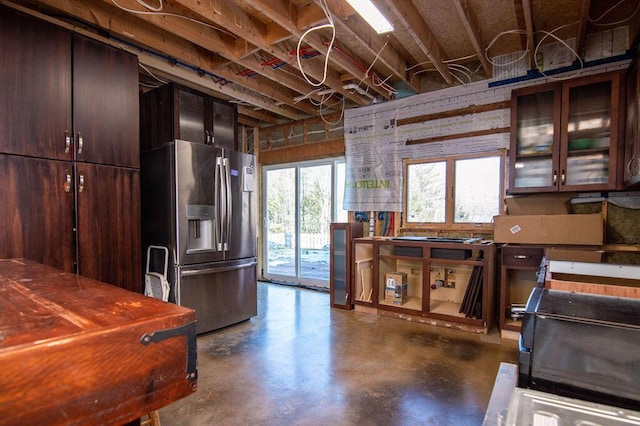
column 372, row 15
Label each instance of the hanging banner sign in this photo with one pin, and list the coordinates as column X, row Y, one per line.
column 376, row 145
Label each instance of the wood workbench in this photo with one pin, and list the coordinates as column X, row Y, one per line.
column 77, row 351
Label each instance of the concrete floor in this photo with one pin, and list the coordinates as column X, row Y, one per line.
column 301, row 362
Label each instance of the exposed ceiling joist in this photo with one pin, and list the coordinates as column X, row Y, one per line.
column 376, row 46
column 468, row 22
column 244, row 51
column 583, row 20
column 527, row 9
column 409, row 17
column 285, row 15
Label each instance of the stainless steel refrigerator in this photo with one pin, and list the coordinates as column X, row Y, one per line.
column 199, row 201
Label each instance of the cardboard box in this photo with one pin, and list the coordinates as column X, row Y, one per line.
column 539, row 204
column 592, row 256
column 578, row 229
column 396, row 288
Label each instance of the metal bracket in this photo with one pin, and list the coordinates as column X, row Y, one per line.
column 188, row 330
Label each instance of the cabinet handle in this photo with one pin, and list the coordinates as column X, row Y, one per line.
column 631, row 162
column 521, row 256
column 80, row 143
column 67, row 142
column 555, row 178
column 67, row 183
column 81, row 183
column 562, row 180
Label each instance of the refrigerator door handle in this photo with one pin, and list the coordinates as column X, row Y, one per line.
column 229, row 209
column 218, row 227
column 222, row 221
column 206, row 271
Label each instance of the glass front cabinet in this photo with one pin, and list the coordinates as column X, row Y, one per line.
column 340, row 263
column 565, row 136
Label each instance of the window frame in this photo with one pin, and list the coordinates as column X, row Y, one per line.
column 449, row 224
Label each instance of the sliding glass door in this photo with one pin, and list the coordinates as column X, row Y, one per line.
column 300, row 202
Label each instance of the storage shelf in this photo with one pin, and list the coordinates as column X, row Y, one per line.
column 471, row 261
column 445, row 308
column 393, row 256
column 510, row 324
column 535, row 155
column 423, row 270
column 413, row 303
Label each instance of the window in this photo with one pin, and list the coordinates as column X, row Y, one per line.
column 461, row 192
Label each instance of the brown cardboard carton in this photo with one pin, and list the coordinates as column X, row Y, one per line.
column 539, row 204
column 578, row 229
column 395, row 288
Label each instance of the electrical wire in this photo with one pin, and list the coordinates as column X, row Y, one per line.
column 496, row 38
column 595, row 21
column 152, row 74
column 367, row 72
column 307, row 96
column 448, row 61
column 155, row 9
column 326, row 11
column 462, row 69
column 551, row 34
column 333, row 123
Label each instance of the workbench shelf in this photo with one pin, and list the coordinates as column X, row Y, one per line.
column 447, row 283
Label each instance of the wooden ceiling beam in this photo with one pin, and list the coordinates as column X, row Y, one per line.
column 350, row 25
column 517, row 8
column 192, row 32
column 527, row 9
column 315, row 41
column 285, row 14
column 233, row 18
column 583, row 21
column 469, row 23
column 234, row 92
column 265, row 86
column 259, row 116
column 308, row 16
column 408, row 16
column 248, row 121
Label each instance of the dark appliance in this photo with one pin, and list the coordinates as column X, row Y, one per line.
column 198, row 201
column 583, row 346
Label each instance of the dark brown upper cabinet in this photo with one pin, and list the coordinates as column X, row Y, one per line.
column 566, row 136
column 105, row 104
column 35, row 105
column 172, row 112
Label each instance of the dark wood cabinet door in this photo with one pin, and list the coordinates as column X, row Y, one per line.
column 35, row 87
column 190, row 110
column 36, row 212
column 224, row 125
column 108, row 216
column 105, row 104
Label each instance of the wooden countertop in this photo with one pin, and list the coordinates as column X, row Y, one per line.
column 77, row 351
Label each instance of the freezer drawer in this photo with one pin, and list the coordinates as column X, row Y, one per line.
column 221, row 293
